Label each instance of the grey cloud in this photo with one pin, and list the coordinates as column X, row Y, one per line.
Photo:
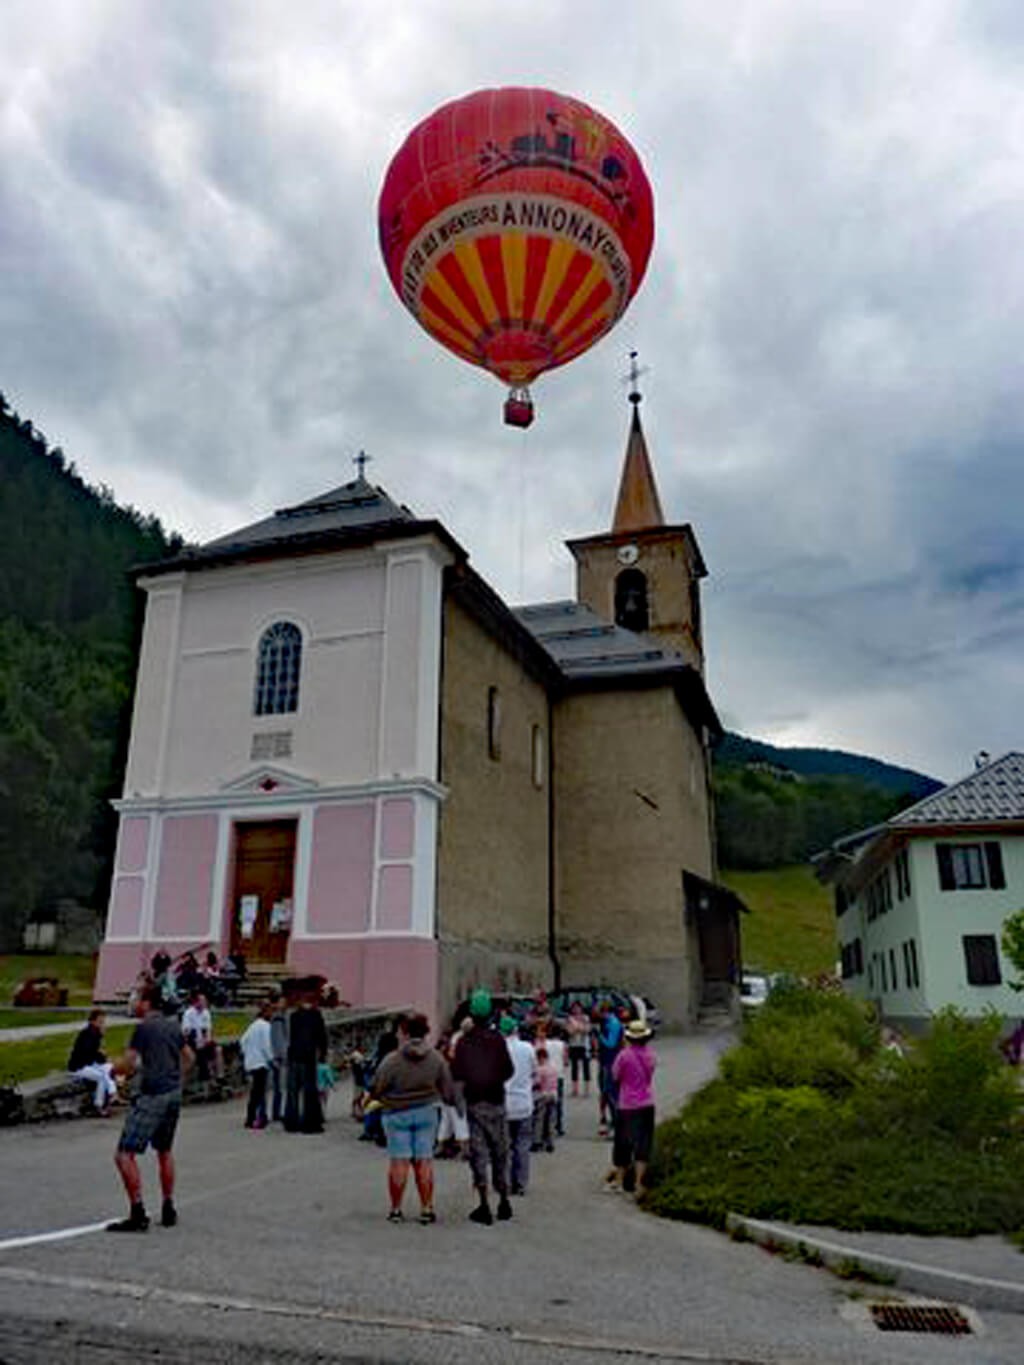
column 832, row 318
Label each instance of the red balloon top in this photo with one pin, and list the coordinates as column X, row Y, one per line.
column 516, row 226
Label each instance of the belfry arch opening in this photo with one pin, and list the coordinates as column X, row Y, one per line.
column 631, row 607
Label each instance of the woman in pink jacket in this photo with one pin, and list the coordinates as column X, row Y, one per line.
column 633, row 1072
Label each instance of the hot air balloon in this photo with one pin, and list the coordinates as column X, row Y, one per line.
column 516, row 226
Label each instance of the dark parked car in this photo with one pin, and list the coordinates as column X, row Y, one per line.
column 592, row 997
column 519, row 1006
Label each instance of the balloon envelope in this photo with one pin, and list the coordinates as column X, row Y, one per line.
column 516, row 226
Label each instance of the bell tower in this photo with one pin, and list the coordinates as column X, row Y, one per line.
column 643, row 574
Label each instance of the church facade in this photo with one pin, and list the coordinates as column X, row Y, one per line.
column 349, row 756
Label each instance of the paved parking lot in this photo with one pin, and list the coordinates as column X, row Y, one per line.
column 283, row 1253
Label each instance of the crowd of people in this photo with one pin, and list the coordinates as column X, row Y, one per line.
column 492, row 1091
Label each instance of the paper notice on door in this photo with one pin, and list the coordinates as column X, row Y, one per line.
column 280, row 916
column 248, row 909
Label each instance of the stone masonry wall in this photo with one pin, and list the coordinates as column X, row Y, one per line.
column 632, row 814
column 492, row 885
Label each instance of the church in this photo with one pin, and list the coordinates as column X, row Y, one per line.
column 350, row 756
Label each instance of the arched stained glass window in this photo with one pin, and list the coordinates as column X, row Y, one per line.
column 277, row 669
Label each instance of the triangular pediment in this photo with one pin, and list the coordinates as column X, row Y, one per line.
column 268, row 780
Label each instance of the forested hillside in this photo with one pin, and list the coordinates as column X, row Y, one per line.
column 778, row 806
column 68, row 629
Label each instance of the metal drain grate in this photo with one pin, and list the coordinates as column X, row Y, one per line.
column 905, row 1317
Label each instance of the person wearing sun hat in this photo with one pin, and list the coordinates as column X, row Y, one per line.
column 480, row 1068
column 633, row 1073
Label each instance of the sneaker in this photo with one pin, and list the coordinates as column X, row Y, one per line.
column 168, row 1215
column 549, row 1146
column 135, row 1222
column 504, row 1209
column 482, row 1214
column 395, row 1216
column 518, row 1189
column 427, row 1216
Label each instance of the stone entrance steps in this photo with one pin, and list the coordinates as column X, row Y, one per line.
column 261, row 977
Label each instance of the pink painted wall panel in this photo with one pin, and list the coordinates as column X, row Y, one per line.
column 119, row 965
column 398, row 824
column 394, row 897
column 341, row 876
column 125, row 918
column 395, row 973
column 132, row 843
column 402, row 972
column 340, row 960
column 185, row 887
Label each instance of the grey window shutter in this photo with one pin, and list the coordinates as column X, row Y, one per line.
column 947, row 882
column 994, row 859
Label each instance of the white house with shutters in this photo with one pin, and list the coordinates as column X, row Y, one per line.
column 921, row 900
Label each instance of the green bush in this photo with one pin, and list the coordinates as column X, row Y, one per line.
column 953, row 1085
column 803, row 1037
column 811, row 1121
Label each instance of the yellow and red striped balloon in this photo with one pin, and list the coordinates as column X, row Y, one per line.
column 516, row 226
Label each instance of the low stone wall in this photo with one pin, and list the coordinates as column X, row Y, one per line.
column 60, row 1096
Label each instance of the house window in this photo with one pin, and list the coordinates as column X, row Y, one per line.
column 970, row 867
column 278, row 663
column 537, row 756
column 906, row 965
column 903, row 873
column 892, row 970
column 631, row 609
column 885, row 979
column 852, row 959
column 493, row 723
column 914, row 974
column 982, row 960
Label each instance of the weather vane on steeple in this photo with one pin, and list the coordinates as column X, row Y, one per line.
column 633, row 379
column 361, row 461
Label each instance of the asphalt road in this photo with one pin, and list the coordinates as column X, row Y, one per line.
column 283, row 1254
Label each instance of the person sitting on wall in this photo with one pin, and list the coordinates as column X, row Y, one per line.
column 88, row 1062
column 189, row 977
column 197, row 1026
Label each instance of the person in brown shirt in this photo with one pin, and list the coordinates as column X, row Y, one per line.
column 410, row 1084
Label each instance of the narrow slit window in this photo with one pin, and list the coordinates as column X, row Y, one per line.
column 494, row 723
column 537, row 756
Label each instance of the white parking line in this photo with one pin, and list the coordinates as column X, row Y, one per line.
column 61, row 1235
column 84, row 1230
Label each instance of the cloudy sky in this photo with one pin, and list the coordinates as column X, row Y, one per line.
column 193, row 307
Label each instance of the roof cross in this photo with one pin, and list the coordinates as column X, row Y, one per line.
column 633, row 378
column 361, row 461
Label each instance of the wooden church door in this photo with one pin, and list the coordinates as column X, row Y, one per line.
column 261, row 905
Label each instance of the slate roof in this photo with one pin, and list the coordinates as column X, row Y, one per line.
column 356, row 504
column 356, row 513
column 994, row 792
column 583, row 644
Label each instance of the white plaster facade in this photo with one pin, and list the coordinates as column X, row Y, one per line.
column 921, row 904
column 357, row 759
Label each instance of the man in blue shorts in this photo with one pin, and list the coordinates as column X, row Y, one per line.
column 158, row 1051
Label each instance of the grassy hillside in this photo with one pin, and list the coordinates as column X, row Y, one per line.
column 791, row 926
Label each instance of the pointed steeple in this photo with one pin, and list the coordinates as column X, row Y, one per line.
column 638, row 507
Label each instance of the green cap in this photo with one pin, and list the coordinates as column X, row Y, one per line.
column 507, row 1024
column 480, row 1003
